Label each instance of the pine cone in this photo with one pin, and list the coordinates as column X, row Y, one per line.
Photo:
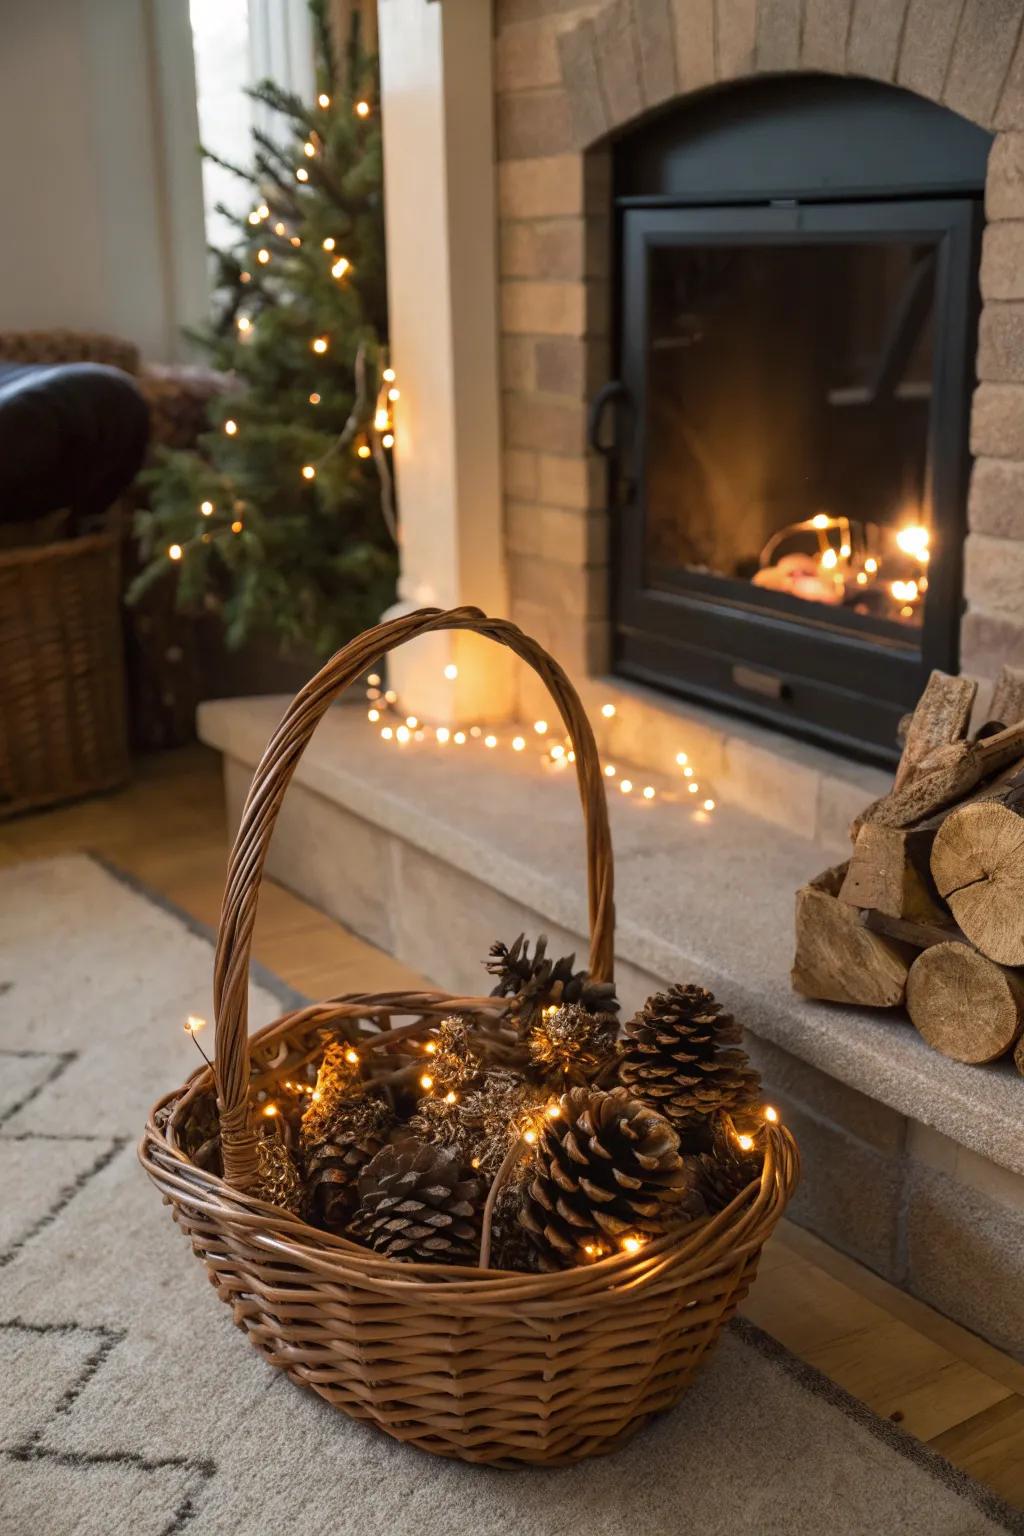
column 416, row 1204
column 540, row 981
column 727, row 1169
column 606, row 1168
column 572, row 1042
column 337, row 1081
column 359, row 1130
column 512, row 1247
column 278, row 1179
column 675, row 1059
column 452, row 1063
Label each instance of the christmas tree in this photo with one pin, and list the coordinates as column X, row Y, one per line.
column 282, row 517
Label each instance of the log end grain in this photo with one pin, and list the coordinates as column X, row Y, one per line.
column 964, row 1005
column 977, row 864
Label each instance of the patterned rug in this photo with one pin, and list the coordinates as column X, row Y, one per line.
column 131, row 1404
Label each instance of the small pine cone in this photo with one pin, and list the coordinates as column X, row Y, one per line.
column 500, row 1109
column 511, row 1245
column 727, row 1168
column 359, row 1130
column 570, row 1042
column 416, row 1204
column 278, row 1178
column 452, row 1063
column 540, row 982
column 338, row 1081
column 676, row 1059
column 605, row 1168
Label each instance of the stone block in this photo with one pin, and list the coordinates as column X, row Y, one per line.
column 826, row 28
column 598, row 246
column 874, row 42
column 994, row 574
column 694, row 30
column 996, row 501
column 928, row 35
column 988, row 641
column 526, row 56
column 562, row 366
column 518, row 363
column 572, row 482
column 1004, row 185
column 617, row 62
column 540, row 188
column 520, row 473
column 1001, row 344
column 553, row 427
column 523, row 528
column 777, row 45
column 537, row 308
column 865, row 1119
column 588, row 114
column 574, row 538
column 997, row 421
column 735, row 37
column 850, row 1193
column 559, row 247
column 533, row 123
column 303, row 856
column 655, row 44
column 965, row 1254
column 982, row 54
column 1010, row 111
column 1002, row 261
column 516, row 248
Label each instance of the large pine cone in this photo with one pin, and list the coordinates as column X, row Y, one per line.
column 359, row 1130
column 416, row 1204
column 605, row 1168
column 540, row 982
column 677, row 1060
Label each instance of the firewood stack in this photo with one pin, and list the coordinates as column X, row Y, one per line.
column 928, row 912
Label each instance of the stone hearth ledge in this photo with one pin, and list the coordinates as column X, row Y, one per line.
column 710, row 902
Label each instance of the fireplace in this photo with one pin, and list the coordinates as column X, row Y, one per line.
column 796, row 318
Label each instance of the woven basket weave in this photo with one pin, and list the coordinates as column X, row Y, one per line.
column 487, row 1366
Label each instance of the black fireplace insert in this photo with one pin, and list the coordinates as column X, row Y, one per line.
column 796, row 320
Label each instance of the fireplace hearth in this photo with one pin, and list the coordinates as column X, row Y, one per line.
column 797, row 314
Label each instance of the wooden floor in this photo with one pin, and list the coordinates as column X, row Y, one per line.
column 905, row 1361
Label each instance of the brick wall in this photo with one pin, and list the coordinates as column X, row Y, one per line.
column 567, row 75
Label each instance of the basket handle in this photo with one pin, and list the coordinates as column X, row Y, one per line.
column 259, row 814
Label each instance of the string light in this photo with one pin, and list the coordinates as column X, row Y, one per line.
column 451, row 671
column 530, row 1136
column 388, row 440
column 319, row 345
column 553, row 1111
column 709, row 805
column 323, row 100
column 609, row 771
column 402, row 734
column 541, row 727
column 362, row 109
column 387, row 732
column 648, row 791
column 245, row 277
column 295, row 241
column 302, row 174
column 329, row 243
column 557, row 752
column 340, row 267
column 687, row 772
column 236, row 526
column 254, row 217
column 608, row 710
column 771, row 1114
column 230, row 427
column 411, row 721
column 352, row 1057
column 451, row 1097
column 490, row 741
column 373, row 714
column 363, row 451
column 374, row 680
column 459, row 738
column 682, row 759
column 745, row 1143
column 309, row 149
column 393, row 394
column 193, row 1023
column 694, row 788
column 314, row 398
column 309, row 471
column 174, row 552
column 206, row 508
column 391, row 696
column 626, row 785
column 632, row 1243
column 263, row 256
column 443, row 734
column 244, row 323
column 426, row 1082
column 518, row 743
column 271, row 1110
column 388, row 375
column 280, row 227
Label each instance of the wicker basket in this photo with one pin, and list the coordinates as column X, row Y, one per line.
column 62, row 713
column 483, row 1365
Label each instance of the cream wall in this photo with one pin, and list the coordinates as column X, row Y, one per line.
column 102, row 192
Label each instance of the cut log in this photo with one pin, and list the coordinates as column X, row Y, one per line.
column 940, row 717
column 838, row 959
column 1007, row 706
column 919, row 935
column 946, row 776
column 964, row 1005
column 978, row 865
column 1018, row 1055
column 889, row 872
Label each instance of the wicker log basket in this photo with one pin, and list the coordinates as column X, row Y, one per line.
column 484, row 1365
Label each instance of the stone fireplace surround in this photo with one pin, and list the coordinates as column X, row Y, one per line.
column 913, row 1163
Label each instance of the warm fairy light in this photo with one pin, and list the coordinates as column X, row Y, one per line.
column 609, row 771
column 295, row 240
column 403, row 733
column 830, row 559
column 490, row 741
column 302, row 174
column 388, row 375
column 381, row 420
column 443, row 734
column 745, row 1143
column 192, row 1023
column 426, row 1082
column 430, row 1047
column 518, row 743
column 340, row 267
column 570, row 757
column 693, row 787
column 626, row 785
column 244, row 324
column 474, row 1162
column 364, row 451
column 451, row 1097
column 270, row 1110
column 553, row 1111
column 682, row 759
column 388, row 440
column 245, row 277
column 236, row 526
column 687, row 772
column 862, row 580
column 475, row 730
column 386, row 732
column 263, row 211
column 309, row 148
column 459, row 738
column 279, row 228
column 632, row 1243
column 206, row 508
column 174, row 553
column 558, row 752
column 373, row 714
column 845, row 551
column 263, row 256
column 709, row 805
column 451, row 671
column 871, row 565
column 319, row 345
column 411, row 721
column 914, row 540
column 771, row 1114
column 391, row 696
column 541, row 727
column 309, row 471
column 329, row 243
column 254, row 217
column 362, row 109
column 904, row 591
column 230, row 427
column 323, row 100
column 608, row 710
column 648, row 791
column 394, row 394
column 530, row 1136
column 352, row 1057
column 314, row 398
column 819, row 521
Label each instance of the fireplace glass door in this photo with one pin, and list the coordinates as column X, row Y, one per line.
column 798, row 378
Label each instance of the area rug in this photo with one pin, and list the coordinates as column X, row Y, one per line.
column 130, row 1403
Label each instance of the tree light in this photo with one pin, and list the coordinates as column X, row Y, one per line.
column 230, row 427
column 206, row 508
column 309, row 148
column 309, row 471
column 323, row 100
column 302, row 174
column 745, row 1143
column 319, row 344
column 280, row 227
column 244, row 323
column 362, row 109
column 270, row 1110
column 329, row 243
column 174, row 552
column 451, row 1097
column 340, row 267
column 632, row 1243
column 263, row 256
column 426, row 1082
